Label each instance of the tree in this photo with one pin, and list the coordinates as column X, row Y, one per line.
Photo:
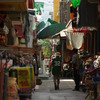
column 47, row 47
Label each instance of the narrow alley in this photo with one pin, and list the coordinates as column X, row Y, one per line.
column 45, row 39
column 46, row 91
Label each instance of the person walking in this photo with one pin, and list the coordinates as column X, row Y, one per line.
column 75, row 62
column 56, row 70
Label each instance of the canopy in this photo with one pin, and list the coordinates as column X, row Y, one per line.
column 51, row 21
column 42, row 24
column 62, row 32
column 51, row 30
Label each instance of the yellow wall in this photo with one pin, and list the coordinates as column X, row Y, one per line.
column 56, row 10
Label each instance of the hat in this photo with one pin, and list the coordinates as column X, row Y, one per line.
column 58, row 54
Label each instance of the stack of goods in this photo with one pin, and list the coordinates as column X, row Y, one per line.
column 25, row 78
column 97, row 63
column 12, row 89
column 2, row 39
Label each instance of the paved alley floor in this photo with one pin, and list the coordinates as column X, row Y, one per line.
column 46, row 91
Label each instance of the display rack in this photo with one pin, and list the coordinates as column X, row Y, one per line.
column 3, row 73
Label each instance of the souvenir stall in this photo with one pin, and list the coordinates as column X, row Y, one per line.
column 4, row 54
column 84, row 39
column 13, row 13
column 23, row 70
column 5, row 64
column 92, row 77
column 17, row 72
column 16, row 54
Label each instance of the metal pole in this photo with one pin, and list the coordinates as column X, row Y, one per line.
column 5, row 80
column 62, row 49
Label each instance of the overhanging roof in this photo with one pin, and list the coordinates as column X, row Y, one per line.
column 62, row 33
column 13, row 5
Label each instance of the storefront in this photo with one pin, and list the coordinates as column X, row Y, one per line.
column 13, row 50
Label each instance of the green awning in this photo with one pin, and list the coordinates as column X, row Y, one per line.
column 42, row 24
column 51, row 30
column 52, row 21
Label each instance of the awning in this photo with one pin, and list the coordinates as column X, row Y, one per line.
column 62, row 33
column 69, row 29
column 51, row 30
column 42, row 24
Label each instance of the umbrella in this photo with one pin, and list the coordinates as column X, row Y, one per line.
column 51, row 30
column 42, row 24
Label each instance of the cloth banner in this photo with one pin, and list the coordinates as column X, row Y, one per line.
column 68, row 42
column 74, row 40
column 77, row 40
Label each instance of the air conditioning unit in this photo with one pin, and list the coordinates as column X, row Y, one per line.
column 94, row 1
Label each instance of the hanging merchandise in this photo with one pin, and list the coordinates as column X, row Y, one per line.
column 86, row 10
column 74, row 40
column 77, row 40
column 74, row 15
column 29, row 25
column 68, row 42
column 2, row 39
column 76, row 3
column 23, row 42
column 5, row 29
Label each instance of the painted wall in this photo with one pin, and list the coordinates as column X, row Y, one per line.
column 56, row 11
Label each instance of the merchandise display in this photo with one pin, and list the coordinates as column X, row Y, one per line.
column 25, row 77
column 12, row 89
column 92, row 76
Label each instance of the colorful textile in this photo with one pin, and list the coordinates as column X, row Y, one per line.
column 76, row 3
column 77, row 40
column 68, row 42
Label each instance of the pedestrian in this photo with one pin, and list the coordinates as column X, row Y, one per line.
column 56, row 70
column 75, row 62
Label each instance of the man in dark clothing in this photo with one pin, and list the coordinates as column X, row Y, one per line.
column 56, row 71
column 75, row 62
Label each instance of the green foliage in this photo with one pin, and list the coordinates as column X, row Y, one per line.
column 45, row 42
column 47, row 47
column 47, row 51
